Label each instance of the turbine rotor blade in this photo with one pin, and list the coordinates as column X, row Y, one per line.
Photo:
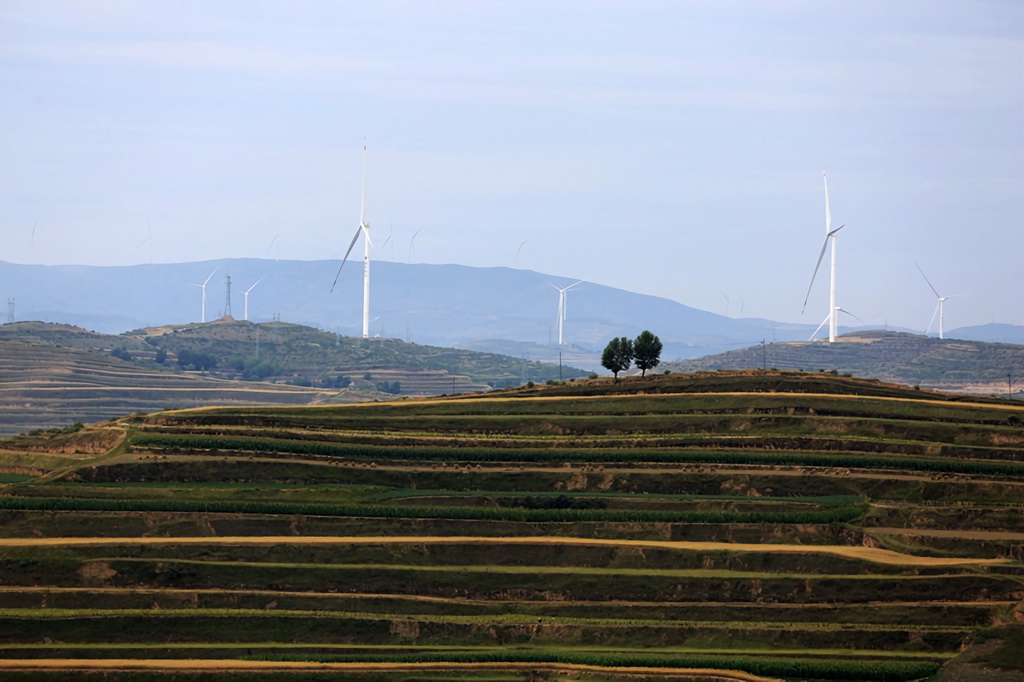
column 850, row 314
column 254, row 285
column 828, row 210
column 362, row 194
column 933, row 318
column 927, row 280
column 819, row 328
column 211, row 275
column 821, row 256
column 351, row 244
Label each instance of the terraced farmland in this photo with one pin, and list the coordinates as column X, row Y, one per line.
column 45, row 386
column 720, row 526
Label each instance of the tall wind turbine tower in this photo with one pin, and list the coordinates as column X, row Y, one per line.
column 830, row 236
column 363, row 229
column 203, row 287
column 227, row 303
column 245, row 295
column 561, row 307
column 938, row 306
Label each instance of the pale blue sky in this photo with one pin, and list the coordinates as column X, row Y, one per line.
column 670, row 148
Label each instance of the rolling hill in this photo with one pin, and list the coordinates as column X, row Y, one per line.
column 954, row 365
column 726, row 525
column 52, row 376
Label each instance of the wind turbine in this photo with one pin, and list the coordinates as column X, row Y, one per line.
column 203, row 287
column 838, row 309
column 245, row 294
column 363, row 229
column 830, row 235
column 938, row 306
column 561, row 307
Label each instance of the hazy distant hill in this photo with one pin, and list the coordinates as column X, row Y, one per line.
column 994, row 333
column 445, row 305
column 949, row 365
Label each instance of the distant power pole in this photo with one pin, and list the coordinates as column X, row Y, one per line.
column 10, row 311
column 227, row 303
column 764, row 356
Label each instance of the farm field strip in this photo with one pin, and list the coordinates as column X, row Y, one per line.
column 882, row 556
column 967, row 534
column 535, row 570
column 285, row 646
column 139, row 590
column 711, row 456
column 620, row 402
column 234, row 665
column 487, row 619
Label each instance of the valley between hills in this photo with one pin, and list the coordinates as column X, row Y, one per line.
column 731, row 525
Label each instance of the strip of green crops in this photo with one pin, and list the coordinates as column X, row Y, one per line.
column 265, row 445
column 487, row 619
column 835, row 515
column 830, row 500
column 880, row 671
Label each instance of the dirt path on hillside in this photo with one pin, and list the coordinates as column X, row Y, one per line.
column 232, row 665
column 873, row 554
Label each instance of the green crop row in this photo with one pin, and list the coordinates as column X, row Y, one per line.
column 319, row 448
column 834, row 515
column 879, row 670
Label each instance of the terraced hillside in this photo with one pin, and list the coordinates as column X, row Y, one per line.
column 721, row 526
column 955, row 365
column 45, row 386
column 52, row 376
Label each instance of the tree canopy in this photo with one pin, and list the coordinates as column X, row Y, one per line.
column 646, row 351
column 617, row 355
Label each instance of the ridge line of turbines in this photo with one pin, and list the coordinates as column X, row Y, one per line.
column 363, row 229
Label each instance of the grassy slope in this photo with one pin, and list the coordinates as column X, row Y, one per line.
column 685, row 538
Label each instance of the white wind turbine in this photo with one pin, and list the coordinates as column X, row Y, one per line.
column 938, row 306
column 203, row 287
column 830, row 235
column 363, row 229
column 245, row 294
column 561, row 307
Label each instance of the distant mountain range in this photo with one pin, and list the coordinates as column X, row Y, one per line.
column 951, row 365
column 487, row 309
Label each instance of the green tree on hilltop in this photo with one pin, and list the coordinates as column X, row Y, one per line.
column 646, row 352
column 617, row 356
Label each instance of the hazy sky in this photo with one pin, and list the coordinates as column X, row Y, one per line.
column 665, row 147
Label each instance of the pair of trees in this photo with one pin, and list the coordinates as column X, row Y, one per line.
column 620, row 353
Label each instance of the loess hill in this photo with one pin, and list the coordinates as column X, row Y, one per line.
column 954, row 365
column 52, row 375
column 729, row 525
